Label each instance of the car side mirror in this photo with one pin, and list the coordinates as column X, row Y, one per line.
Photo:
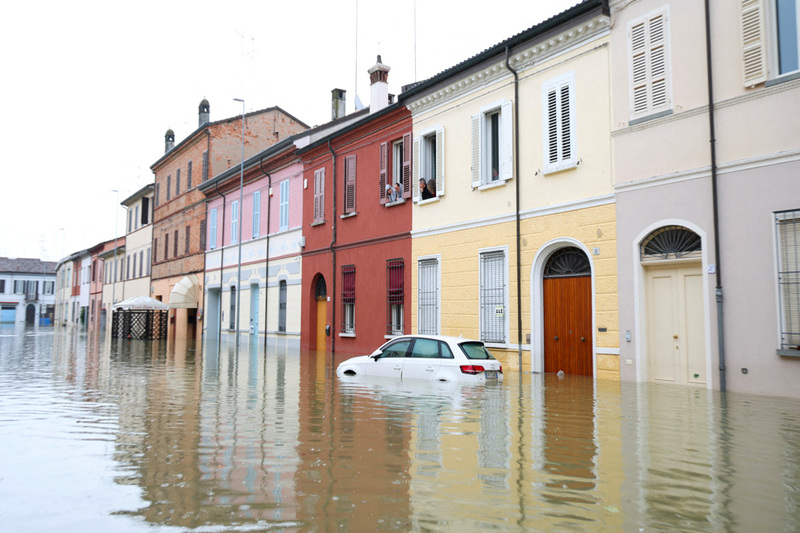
column 376, row 356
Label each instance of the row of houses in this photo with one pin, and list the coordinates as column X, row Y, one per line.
column 611, row 193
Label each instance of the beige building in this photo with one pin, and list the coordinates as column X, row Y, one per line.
column 707, row 220
column 513, row 239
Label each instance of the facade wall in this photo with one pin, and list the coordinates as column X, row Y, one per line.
column 14, row 304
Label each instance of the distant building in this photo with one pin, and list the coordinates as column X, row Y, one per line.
column 27, row 291
column 73, row 276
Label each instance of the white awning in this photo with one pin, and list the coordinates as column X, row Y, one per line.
column 141, row 302
column 185, row 294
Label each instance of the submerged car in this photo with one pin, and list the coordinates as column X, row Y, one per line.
column 431, row 357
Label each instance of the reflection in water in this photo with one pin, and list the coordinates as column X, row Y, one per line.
column 156, row 435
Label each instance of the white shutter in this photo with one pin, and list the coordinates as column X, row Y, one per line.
column 382, row 172
column 415, row 168
column 558, row 106
column 506, row 142
column 754, row 55
column 648, row 48
column 439, row 161
column 476, row 151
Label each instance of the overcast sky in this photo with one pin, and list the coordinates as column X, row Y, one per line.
column 89, row 88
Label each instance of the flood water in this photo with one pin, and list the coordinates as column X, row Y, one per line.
column 143, row 436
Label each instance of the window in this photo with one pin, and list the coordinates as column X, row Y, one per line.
column 136, row 218
column 400, row 167
column 177, row 182
column 256, row 214
column 31, row 290
column 319, row 195
column 348, row 299
column 169, row 186
column 349, row 184
column 158, row 189
column 648, row 49
column 187, row 240
column 155, row 250
column 428, row 164
column 148, row 261
column 428, row 296
column 394, row 297
column 203, row 235
column 785, row 28
column 130, row 220
column 787, row 227
column 205, row 165
column 47, row 287
column 127, row 268
column 559, row 123
column 232, row 322
column 175, row 244
column 234, row 221
column 166, row 246
column 141, row 263
column 282, row 306
column 19, row 287
column 284, row 209
column 2, row 286
column 189, row 176
column 493, row 288
column 145, row 211
column 212, row 229
column 491, row 145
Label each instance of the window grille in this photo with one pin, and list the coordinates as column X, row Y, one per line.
column 348, row 298
column 320, row 289
column 428, row 297
column 567, row 262
column 492, row 296
column 671, row 242
column 787, row 229
column 394, row 297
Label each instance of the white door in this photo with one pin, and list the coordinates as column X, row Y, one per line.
column 675, row 326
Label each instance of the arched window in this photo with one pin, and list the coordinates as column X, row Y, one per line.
column 320, row 290
column 671, row 242
column 567, row 262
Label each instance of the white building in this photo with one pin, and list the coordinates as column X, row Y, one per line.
column 27, row 291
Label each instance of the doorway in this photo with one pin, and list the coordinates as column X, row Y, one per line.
column 254, row 306
column 321, row 299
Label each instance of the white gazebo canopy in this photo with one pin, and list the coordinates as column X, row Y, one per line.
column 141, row 303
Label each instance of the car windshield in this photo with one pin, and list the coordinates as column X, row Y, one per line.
column 475, row 350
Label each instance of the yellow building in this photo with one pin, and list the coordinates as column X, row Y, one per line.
column 514, row 218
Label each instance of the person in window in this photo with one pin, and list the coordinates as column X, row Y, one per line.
column 391, row 195
column 423, row 190
column 398, row 191
column 432, row 187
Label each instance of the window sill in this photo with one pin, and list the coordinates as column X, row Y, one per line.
column 318, row 223
column 503, row 345
column 348, row 335
column 393, row 336
column 556, row 169
column 492, row 185
column 348, row 215
column 788, row 353
column 647, row 118
column 428, row 201
column 782, row 79
column 396, row 202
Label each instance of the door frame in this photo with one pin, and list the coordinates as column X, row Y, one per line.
column 640, row 297
column 537, row 300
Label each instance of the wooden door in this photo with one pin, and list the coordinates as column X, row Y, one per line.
column 675, row 325
column 322, row 318
column 568, row 325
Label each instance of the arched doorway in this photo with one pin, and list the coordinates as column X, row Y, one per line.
column 567, row 313
column 30, row 314
column 674, row 306
column 321, row 298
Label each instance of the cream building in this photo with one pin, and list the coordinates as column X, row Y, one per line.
column 138, row 241
column 707, row 223
column 517, row 247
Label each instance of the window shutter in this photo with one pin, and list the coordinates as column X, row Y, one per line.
column 559, row 128
column 350, row 184
column 552, row 126
column 506, row 142
column 415, row 169
column 440, row 161
column 753, row 50
column 566, row 123
column 319, row 195
column 649, row 72
column 476, row 151
column 383, row 150
column 407, row 166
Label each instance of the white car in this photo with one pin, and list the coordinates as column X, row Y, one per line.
column 431, row 357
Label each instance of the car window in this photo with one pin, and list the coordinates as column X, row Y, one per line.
column 446, row 353
column 475, row 350
column 427, row 348
column 397, row 349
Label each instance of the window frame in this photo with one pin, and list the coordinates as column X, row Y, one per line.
column 482, row 143
column 395, row 297
column 490, row 337
column 283, row 218
column 787, row 256
column 557, row 85
column 348, row 295
column 256, row 214
column 350, row 189
column 429, row 308
column 319, row 196
column 427, row 161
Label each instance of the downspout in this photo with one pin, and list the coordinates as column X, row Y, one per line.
column 712, row 141
column 333, row 256
column 516, row 192
column 266, row 276
column 221, row 261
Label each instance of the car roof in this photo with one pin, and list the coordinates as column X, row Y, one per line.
column 445, row 338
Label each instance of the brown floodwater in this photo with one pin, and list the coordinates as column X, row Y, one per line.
column 148, row 436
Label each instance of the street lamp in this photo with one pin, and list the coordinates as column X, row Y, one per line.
column 114, row 285
column 239, row 237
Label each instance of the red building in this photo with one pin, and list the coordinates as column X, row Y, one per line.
column 356, row 260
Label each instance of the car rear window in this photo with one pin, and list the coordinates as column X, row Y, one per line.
column 475, row 350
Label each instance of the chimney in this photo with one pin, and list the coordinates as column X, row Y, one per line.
column 378, row 79
column 169, row 140
column 337, row 103
column 204, row 115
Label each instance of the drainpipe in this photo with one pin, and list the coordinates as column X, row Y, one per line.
column 221, row 261
column 266, row 277
column 333, row 255
column 516, row 191
column 712, row 142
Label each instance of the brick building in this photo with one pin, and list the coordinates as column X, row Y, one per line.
column 179, row 206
